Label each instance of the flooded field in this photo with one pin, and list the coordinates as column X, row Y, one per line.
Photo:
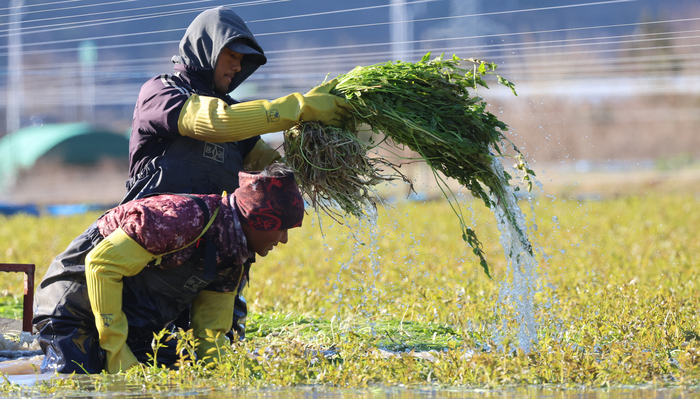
column 616, row 316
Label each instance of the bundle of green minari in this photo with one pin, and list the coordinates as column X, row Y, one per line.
column 426, row 106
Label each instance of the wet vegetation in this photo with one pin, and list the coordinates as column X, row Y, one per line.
column 431, row 107
column 400, row 303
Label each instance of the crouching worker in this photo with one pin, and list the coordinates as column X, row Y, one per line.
column 152, row 258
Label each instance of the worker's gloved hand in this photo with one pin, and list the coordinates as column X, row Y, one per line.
column 212, row 311
column 320, row 105
column 211, row 119
column 316, row 105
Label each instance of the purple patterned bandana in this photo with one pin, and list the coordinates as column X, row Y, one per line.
column 269, row 203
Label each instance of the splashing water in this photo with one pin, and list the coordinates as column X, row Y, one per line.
column 515, row 306
column 372, row 228
column 517, row 290
column 363, row 267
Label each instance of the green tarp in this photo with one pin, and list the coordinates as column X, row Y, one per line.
column 76, row 143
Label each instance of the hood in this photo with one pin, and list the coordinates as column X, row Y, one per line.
column 208, row 34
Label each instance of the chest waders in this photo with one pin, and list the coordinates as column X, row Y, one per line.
column 189, row 166
column 195, row 167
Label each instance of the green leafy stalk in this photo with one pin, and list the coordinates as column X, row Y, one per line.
column 426, row 106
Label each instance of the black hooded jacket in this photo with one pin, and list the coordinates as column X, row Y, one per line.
column 160, row 101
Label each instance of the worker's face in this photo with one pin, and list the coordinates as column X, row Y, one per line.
column 262, row 242
column 228, row 64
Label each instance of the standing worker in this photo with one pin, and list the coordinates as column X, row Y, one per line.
column 154, row 257
column 190, row 136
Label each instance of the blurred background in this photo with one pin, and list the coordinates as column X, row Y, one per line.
column 608, row 91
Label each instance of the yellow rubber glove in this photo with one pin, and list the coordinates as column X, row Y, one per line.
column 112, row 259
column 260, row 156
column 318, row 103
column 211, row 119
column 212, row 311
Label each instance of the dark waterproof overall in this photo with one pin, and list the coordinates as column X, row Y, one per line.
column 162, row 161
column 63, row 314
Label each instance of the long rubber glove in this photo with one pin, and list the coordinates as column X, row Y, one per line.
column 212, row 311
column 211, row 119
column 112, row 259
column 260, row 156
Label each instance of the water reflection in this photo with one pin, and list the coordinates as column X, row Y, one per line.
column 114, row 386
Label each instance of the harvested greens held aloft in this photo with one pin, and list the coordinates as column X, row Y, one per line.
column 333, row 169
column 426, row 106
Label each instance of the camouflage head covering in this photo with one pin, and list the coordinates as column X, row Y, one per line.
column 269, row 202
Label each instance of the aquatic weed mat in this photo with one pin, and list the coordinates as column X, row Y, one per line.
column 293, row 351
column 621, row 312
